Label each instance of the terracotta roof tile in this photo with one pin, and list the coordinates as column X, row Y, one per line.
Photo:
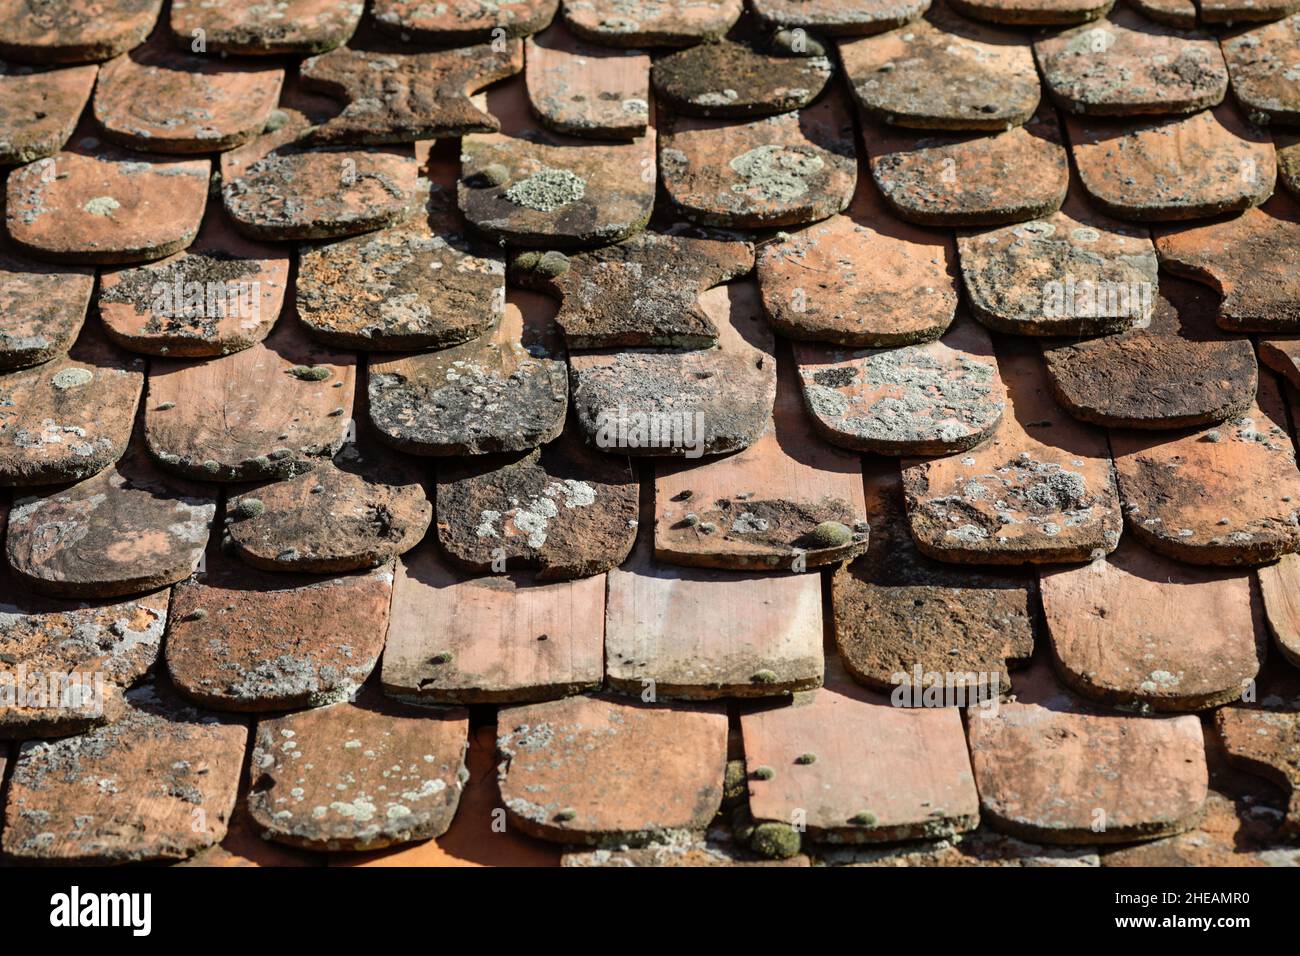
column 587, row 90
column 463, row 21
column 635, row 23
column 1176, row 13
column 711, row 851
column 1034, row 12
column 1259, row 61
column 290, row 26
column 1282, row 354
column 980, row 848
column 45, row 306
column 1288, row 161
column 1266, row 741
column 1278, row 586
column 1231, row 12
column 74, row 31
column 839, row 17
column 1216, row 842
column 40, row 109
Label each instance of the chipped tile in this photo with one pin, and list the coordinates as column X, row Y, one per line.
column 637, row 23
column 1279, row 585
column 39, row 110
column 595, row 771
column 1040, row 490
column 587, row 90
column 1262, row 64
column 503, row 391
column 74, row 31
column 464, row 21
column 501, row 638
column 1266, row 742
column 264, row 29
column 268, row 411
column 44, row 307
column 357, row 776
column 933, row 398
column 1034, row 12
column 836, row 17
column 1224, row 495
column 1178, row 371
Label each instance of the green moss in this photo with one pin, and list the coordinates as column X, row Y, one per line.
column 864, row 819
column 198, row 614
column 806, row 759
column 764, row 677
column 733, row 784
column 310, row 373
column 564, row 816
column 494, row 174
column 442, row 657
column 764, row 773
column 776, row 841
column 831, row 534
column 553, row 264
column 211, row 467
column 166, row 406
column 250, row 508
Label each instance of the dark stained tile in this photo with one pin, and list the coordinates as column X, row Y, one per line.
column 1040, row 490
column 1231, row 12
column 587, row 90
column 44, row 307
column 1054, row 276
column 1034, row 12
column 499, row 638
column 592, row 770
column 260, row 29
column 101, row 204
column 633, row 23
column 1266, row 741
column 357, row 776
column 505, row 391
column 126, row 530
column 928, row 399
column 39, row 110
column 943, row 72
column 395, row 97
column 862, row 278
column 157, row 309
column 159, row 98
column 643, row 291
column 897, row 612
column 1175, row 13
column 467, row 21
column 245, row 640
column 1052, row 770
column 74, row 31
column 422, row 284
column 1279, row 586
column 357, row 511
column 1224, row 495
column 1260, row 62
column 71, row 417
column 1173, row 168
column 1126, row 65
column 564, row 510
column 971, row 180
column 269, row 411
column 836, row 17
column 683, row 403
column 159, row 784
column 1251, row 260
column 784, row 170
column 1176, row 372
column 1140, row 632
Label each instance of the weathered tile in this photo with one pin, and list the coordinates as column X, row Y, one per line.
column 786, row 500
column 898, row 613
column 1266, row 741
column 504, row 391
column 245, row 640
column 1040, row 490
column 1173, row 168
column 565, row 510
column 262, row 29
column 530, row 187
column 1282, row 355
column 928, row 399
column 126, row 530
column 1176, row 372
column 221, row 295
column 396, row 97
column 943, row 72
column 1251, row 260
column 464, row 21
column 71, row 417
column 159, row 784
column 357, row 511
column 1230, row 12
column 981, row 848
column 268, row 411
column 357, row 776
column 592, row 770
column 635, row 23
column 587, row 90
column 499, row 638
column 1124, row 65
column 688, row 633
column 96, row 203
column 854, row 769
column 1034, row 12
column 44, row 307
column 837, row 17
column 1218, row 841
column 970, row 180
column 1261, row 62
column 706, row 851
column 683, row 403
column 1279, row 584
column 39, row 110
column 243, row 848
column 158, row 98
column 643, row 291
column 1051, row 770
column 71, row 659
column 1288, row 161
column 423, row 284
column 1074, row 272
column 862, row 278
column 1223, row 495
column 1138, row 631
column 1175, row 13
column 74, row 31
column 783, row 170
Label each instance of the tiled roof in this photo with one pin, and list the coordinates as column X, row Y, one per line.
column 650, row 432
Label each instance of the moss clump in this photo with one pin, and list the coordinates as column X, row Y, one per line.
column 764, row 677
column 795, row 42
column 864, row 819
column 776, row 841
column 805, row 759
column 442, row 657
column 830, row 534
column 565, row 815
column 166, row 406
column 310, row 373
column 211, row 467
column 733, row 783
column 552, row 264
column 527, row 261
column 198, row 614
column 494, row 174
column 250, row 508
column 764, row 773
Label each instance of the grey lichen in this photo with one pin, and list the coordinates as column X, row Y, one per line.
column 547, row 190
